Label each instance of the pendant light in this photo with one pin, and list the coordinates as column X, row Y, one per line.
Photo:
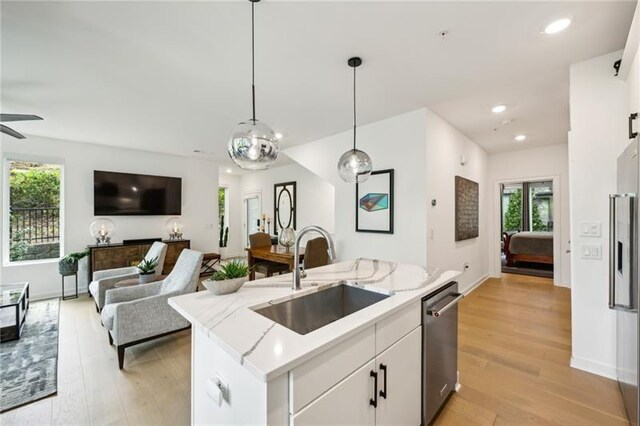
column 253, row 145
column 354, row 165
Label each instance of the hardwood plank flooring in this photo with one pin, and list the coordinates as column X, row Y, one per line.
column 514, row 351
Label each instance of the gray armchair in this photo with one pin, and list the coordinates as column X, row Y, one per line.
column 108, row 278
column 140, row 313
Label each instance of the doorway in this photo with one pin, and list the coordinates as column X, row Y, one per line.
column 252, row 211
column 527, row 228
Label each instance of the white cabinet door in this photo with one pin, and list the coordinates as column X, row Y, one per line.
column 347, row 403
column 400, row 405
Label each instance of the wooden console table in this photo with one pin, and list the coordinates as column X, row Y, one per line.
column 122, row 255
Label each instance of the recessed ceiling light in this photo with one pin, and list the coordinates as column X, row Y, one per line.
column 557, row 26
column 499, row 108
column 520, row 138
column 229, row 171
column 278, row 135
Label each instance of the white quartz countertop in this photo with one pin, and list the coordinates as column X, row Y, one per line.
column 268, row 349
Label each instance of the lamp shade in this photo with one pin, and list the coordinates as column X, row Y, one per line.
column 102, row 230
column 174, row 228
column 354, row 166
column 253, row 145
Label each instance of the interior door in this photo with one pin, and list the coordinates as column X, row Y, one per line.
column 252, row 213
column 347, row 403
column 399, row 384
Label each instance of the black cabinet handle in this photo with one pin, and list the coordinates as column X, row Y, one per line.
column 374, row 401
column 383, row 392
column 632, row 117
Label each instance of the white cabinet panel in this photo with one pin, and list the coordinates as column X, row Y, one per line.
column 314, row 377
column 396, row 326
column 402, row 361
column 345, row 404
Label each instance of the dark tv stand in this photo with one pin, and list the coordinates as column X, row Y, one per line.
column 130, row 254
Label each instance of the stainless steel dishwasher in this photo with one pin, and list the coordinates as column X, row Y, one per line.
column 439, row 349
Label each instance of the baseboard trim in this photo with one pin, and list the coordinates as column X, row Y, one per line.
column 53, row 294
column 604, row 370
column 476, row 284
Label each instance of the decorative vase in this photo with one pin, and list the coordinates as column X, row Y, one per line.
column 225, row 286
column 67, row 266
column 147, row 278
column 287, row 237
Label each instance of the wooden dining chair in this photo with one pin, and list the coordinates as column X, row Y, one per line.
column 262, row 239
column 316, row 253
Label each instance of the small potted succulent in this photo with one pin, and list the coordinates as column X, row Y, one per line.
column 231, row 276
column 147, row 270
column 68, row 265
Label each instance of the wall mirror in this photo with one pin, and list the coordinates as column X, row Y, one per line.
column 284, row 206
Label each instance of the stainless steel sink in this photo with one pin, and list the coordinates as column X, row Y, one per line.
column 312, row 311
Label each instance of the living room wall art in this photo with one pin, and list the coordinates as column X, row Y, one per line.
column 374, row 203
column 284, row 206
column 466, row 216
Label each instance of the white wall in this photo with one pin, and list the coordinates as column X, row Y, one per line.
column 315, row 197
column 445, row 145
column 598, row 104
column 233, row 183
column 526, row 165
column 395, row 143
column 199, row 200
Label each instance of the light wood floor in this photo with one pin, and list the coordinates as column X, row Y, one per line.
column 515, row 344
column 514, row 351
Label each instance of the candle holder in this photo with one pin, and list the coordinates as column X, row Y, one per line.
column 102, row 230
column 287, row 238
column 174, row 228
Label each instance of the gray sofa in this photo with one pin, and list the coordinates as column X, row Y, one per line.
column 140, row 313
column 108, row 278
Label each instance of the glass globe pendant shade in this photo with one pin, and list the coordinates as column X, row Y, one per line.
column 253, row 145
column 354, row 166
column 174, row 228
column 102, row 230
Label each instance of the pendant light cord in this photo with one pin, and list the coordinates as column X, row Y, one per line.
column 253, row 67
column 354, row 108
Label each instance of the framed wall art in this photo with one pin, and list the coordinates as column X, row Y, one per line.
column 374, row 203
column 467, row 196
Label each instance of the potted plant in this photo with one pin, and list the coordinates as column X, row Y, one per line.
column 68, row 265
column 147, row 270
column 223, row 239
column 231, row 276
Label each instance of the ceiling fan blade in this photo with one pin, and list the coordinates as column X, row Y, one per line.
column 9, row 131
column 18, row 117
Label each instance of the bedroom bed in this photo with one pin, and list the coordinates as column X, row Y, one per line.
column 536, row 247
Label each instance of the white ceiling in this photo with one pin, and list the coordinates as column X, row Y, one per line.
column 175, row 76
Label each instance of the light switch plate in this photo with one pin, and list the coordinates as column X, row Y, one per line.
column 592, row 251
column 591, row 229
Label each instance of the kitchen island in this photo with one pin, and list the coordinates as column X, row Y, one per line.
column 248, row 368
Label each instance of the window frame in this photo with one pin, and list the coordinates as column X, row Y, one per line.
column 6, row 165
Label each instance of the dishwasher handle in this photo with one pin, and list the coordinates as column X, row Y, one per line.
column 437, row 312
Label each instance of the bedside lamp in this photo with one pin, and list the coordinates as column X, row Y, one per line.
column 102, row 230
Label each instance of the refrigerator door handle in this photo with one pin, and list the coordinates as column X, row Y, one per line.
column 613, row 246
column 612, row 250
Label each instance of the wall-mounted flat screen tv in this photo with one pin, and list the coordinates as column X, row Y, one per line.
column 126, row 194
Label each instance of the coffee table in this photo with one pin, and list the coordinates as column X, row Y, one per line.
column 14, row 302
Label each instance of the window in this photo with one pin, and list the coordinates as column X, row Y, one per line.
column 223, row 216
column 33, row 211
column 527, row 206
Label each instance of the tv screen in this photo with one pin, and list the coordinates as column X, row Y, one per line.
column 116, row 194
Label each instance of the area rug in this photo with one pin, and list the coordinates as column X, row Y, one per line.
column 29, row 365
